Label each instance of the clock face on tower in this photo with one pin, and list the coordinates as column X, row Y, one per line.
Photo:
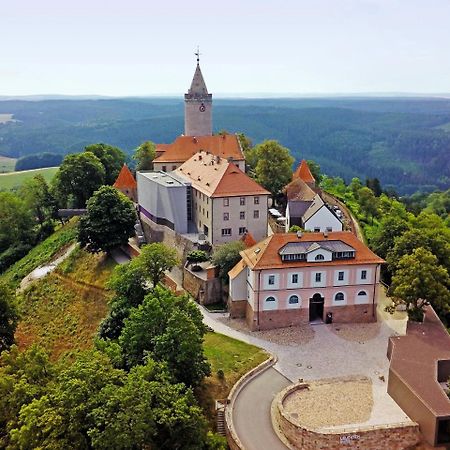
column 202, row 108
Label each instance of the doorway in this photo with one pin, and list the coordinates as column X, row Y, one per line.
column 316, row 308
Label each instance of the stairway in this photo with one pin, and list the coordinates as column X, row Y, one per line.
column 220, row 418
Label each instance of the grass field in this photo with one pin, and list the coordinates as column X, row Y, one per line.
column 63, row 310
column 13, row 180
column 7, row 164
column 234, row 358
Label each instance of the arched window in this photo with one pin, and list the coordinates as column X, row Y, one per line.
column 320, row 257
column 339, row 297
column 362, row 293
column 293, row 300
column 270, row 299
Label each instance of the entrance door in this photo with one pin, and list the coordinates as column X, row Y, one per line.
column 316, row 308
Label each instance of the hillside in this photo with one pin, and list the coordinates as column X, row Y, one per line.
column 404, row 142
column 13, row 180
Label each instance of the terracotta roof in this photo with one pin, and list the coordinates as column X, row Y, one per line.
column 265, row 254
column 414, row 358
column 248, row 240
column 125, row 179
column 225, row 146
column 297, row 189
column 217, row 177
column 303, row 173
column 237, row 269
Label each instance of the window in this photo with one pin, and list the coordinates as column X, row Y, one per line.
column 242, row 215
column 318, row 277
column 294, row 278
column 329, row 229
column 362, row 293
column 164, row 168
column 256, row 214
column 270, row 299
column 340, row 276
column 242, row 201
column 363, row 274
column 319, row 257
column 242, row 230
column 271, row 280
column 226, row 216
column 316, row 229
column 174, row 167
column 207, row 214
column 256, row 200
column 205, row 230
column 339, row 297
column 226, row 202
column 226, row 231
column 293, row 300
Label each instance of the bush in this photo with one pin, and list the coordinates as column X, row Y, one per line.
column 13, row 254
column 220, row 374
column 197, row 256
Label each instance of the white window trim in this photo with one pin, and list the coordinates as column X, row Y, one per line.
column 321, row 283
column 272, row 305
column 339, row 302
column 293, row 305
column 361, row 300
column 343, row 282
column 290, row 284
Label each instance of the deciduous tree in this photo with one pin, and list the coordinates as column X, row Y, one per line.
column 227, row 256
column 144, row 156
column 112, row 159
column 8, row 317
column 156, row 258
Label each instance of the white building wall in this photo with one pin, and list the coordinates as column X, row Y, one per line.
column 238, row 286
column 323, row 219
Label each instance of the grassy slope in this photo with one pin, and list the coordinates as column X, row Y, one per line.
column 235, row 358
column 14, row 180
column 40, row 254
column 62, row 311
column 7, row 164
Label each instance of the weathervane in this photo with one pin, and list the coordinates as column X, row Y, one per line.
column 197, row 54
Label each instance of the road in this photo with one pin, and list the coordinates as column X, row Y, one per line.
column 251, row 413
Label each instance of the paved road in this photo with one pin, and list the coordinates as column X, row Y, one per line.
column 251, row 413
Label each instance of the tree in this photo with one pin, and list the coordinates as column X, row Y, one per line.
column 169, row 327
column 227, row 256
column 8, row 317
column 112, row 159
column 109, row 221
column 368, row 202
column 315, row 170
column 78, row 177
column 391, row 227
column 197, row 256
column 144, row 156
column 420, row 280
column 273, row 168
column 375, row 186
column 155, row 259
column 39, row 199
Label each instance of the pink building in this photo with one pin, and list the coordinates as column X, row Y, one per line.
column 294, row 278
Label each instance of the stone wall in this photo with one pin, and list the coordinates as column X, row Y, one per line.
column 237, row 308
column 387, row 437
column 352, row 313
column 205, row 291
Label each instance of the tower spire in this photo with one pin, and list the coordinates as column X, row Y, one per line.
column 197, row 54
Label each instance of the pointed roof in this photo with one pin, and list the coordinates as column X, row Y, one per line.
column 303, row 173
column 297, row 189
column 248, row 239
column 125, row 179
column 198, row 85
column 217, row 177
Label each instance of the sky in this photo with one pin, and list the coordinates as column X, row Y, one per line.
column 248, row 47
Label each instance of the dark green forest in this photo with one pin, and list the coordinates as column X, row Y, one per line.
column 405, row 142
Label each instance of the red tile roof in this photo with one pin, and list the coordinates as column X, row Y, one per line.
column 184, row 147
column 303, row 173
column 265, row 254
column 217, row 177
column 125, row 179
column 248, row 240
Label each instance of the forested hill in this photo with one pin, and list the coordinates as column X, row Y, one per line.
column 405, row 142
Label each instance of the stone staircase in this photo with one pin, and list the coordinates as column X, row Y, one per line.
column 220, row 418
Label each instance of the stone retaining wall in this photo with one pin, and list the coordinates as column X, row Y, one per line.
column 384, row 437
column 205, row 291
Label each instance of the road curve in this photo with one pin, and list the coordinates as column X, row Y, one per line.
column 251, row 412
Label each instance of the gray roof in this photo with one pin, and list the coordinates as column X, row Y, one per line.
column 298, row 207
column 295, row 248
column 168, row 179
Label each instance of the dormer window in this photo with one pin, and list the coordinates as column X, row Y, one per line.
column 319, row 257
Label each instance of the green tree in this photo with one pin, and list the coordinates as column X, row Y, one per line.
column 78, row 177
column 40, row 200
column 112, row 159
column 197, row 256
column 315, row 170
column 368, row 202
column 155, row 259
column 227, row 256
column 170, row 328
column 8, row 317
column 144, row 156
column 391, row 227
column 273, row 169
column 375, row 186
column 109, row 221
column 420, row 280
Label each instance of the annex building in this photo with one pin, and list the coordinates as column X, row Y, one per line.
column 297, row 278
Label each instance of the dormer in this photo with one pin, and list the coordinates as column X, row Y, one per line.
column 316, row 253
column 321, row 251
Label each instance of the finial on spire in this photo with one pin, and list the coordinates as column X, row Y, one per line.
column 197, row 54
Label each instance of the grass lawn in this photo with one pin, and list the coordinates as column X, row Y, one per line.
column 7, row 164
column 62, row 311
column 13, row 180
column 234, row 358
column 42, row 253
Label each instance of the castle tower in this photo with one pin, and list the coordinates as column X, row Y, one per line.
column 198, row 106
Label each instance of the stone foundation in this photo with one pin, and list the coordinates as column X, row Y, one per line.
column 384, row 437
column 237, row 309
column 352, row 313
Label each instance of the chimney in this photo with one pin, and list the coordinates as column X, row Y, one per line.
column 325, row 234
column 218, row 159
column 299, row 234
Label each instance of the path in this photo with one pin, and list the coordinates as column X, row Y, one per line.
column 251, row 413
column 119, row 256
